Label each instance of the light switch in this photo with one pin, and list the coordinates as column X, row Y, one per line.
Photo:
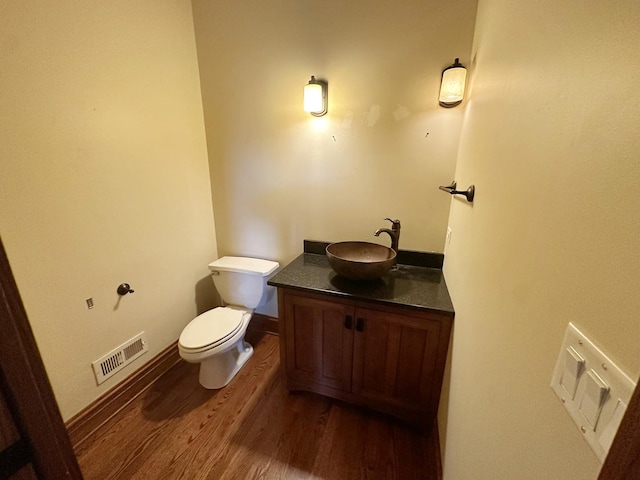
column 595, row 394
column 592, row 389
column 573, row 365
column 606, row 439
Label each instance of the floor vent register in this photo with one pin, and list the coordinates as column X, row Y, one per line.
column 119, row 357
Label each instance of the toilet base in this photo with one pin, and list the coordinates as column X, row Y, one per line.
column 217, row 371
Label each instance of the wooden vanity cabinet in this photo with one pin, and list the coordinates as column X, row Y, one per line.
column 390, row 359
column 318, row 343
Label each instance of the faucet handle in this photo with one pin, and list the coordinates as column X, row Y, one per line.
column 394, row 222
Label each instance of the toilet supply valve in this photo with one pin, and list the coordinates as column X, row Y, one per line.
column 124, row 288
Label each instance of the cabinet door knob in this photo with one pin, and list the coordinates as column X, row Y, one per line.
column 360, row 324
column 348, row 322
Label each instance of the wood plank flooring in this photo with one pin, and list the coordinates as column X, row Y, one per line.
column 252, row 429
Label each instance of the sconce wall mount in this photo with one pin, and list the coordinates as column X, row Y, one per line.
column 452, row 84
column 315, row 97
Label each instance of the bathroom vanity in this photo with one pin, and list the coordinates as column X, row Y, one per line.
column 380, row 344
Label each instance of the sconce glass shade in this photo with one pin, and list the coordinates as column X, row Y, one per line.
column 454, row 79
column 315, row 97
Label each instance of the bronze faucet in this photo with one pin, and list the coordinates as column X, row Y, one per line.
column 394, row 233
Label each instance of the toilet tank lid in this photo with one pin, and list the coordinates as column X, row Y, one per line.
column 254, row 266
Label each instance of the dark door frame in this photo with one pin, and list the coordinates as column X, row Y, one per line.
column 623, row 461
column 27, row 389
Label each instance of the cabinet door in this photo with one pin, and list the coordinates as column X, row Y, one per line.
column 395, row 358
column 319, row 342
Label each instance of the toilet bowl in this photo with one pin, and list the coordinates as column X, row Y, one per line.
column 215, row 338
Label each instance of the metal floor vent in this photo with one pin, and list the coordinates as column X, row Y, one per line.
column 119, row 357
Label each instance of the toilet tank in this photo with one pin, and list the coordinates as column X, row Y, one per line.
column 242, row 281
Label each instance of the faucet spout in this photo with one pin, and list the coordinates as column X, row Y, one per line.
column 394, row 233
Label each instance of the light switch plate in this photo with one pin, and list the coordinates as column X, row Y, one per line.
column 600, row 436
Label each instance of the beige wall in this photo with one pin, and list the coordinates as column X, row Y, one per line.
column 104, row 178
column 550, row 139
column 280, row 175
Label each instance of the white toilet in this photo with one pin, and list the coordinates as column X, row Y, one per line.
column 215, row 338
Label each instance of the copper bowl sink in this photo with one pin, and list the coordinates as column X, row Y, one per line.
column 360, row 260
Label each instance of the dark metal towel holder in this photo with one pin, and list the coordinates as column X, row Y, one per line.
column 469, row 192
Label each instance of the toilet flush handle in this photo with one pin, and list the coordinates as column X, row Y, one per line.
column 124, row 288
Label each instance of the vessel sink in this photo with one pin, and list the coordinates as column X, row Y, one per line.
column 360, row 260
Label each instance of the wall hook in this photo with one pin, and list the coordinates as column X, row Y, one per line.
column 123, row 289
column 469, row 192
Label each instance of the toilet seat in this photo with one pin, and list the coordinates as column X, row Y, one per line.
column 211, row 329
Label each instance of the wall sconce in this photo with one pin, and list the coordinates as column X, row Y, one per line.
column 454, row 78
column 315, row 97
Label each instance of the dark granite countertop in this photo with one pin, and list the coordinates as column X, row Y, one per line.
column 409, row 286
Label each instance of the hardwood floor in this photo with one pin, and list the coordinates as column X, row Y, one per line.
column 252, row 429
